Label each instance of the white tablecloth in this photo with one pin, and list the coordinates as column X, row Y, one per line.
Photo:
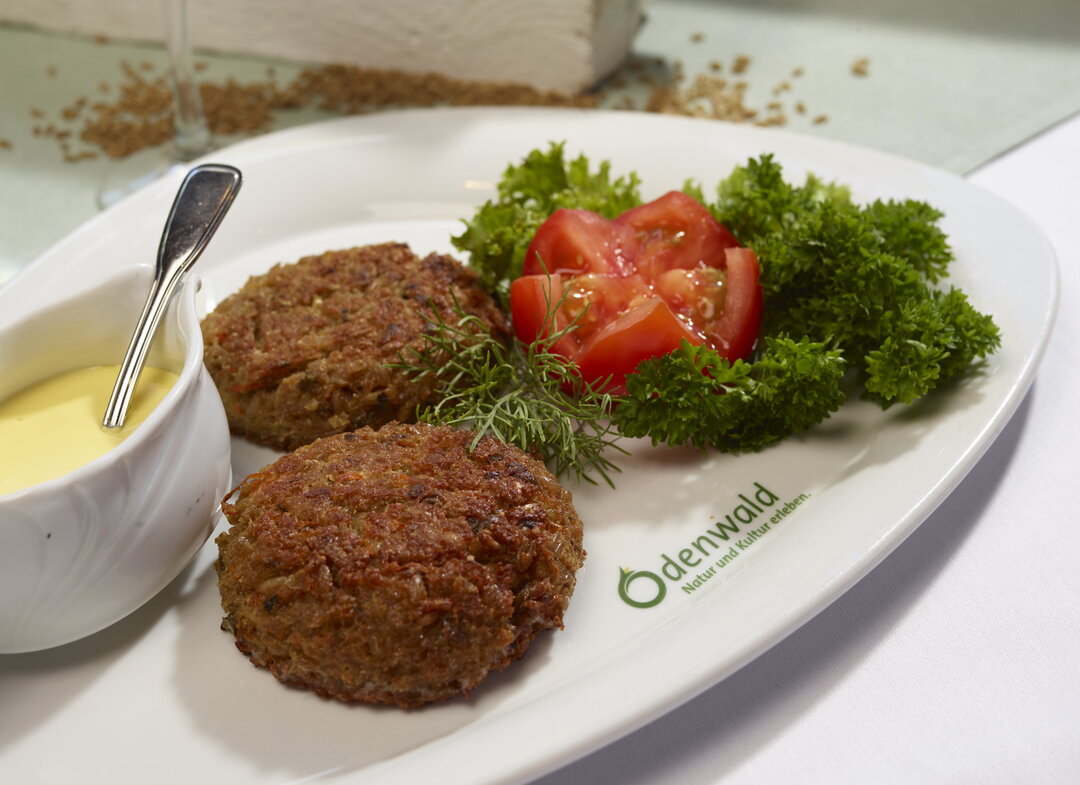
column 957, row 660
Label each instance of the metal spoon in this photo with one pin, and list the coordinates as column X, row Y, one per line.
column 204, row 197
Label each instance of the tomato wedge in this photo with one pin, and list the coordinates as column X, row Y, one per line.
column 645, row 331
column 578, row 241
column 636, row 287
column 736, row 331
column 676, row 230
column 532, row 301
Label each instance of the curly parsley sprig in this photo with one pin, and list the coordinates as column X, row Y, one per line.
column 693, row 396
column 857, row 278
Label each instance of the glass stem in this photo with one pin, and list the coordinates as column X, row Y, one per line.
column 191, row 132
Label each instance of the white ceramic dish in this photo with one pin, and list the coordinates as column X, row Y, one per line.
column 184, row 704
column 83, row 550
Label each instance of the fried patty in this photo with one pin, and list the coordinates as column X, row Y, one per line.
column 307, row 349
column 396, row 566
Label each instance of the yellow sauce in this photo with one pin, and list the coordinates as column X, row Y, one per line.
column 53, row 427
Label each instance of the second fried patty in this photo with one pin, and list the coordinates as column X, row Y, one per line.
column 306, row 350
column 396, row 566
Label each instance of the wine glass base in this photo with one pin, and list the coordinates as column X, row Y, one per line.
column 134, row 172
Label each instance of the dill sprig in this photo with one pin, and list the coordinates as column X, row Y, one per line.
column 526, row 396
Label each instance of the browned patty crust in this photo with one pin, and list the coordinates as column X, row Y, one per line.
column 305, row 350
column 396, row 566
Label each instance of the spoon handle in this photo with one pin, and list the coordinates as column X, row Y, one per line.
column 204, row 197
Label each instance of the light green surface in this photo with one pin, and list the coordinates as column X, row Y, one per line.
column 951, row 83
column 42, row 198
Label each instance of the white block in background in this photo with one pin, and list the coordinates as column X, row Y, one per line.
column 561, row 45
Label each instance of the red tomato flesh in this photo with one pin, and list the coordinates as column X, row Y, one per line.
column 635, row 287
column 676, row 230
column 578, row 241
column 645, row 331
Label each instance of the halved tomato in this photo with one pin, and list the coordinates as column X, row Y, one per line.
column 636, row 287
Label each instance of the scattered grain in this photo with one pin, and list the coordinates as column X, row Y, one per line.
column 85, row 155
column 708, row 96
column 697, row 38
column 139, row 112
column 861, row 67
column 51, row 71
column 821, row 118
column 772, row 120
column 353, row 90
column 5, row 144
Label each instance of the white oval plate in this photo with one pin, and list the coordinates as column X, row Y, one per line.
column 165, row 691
